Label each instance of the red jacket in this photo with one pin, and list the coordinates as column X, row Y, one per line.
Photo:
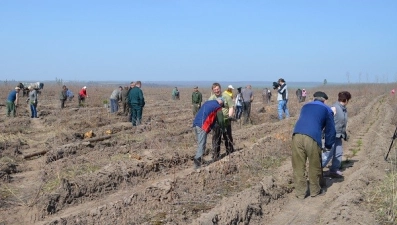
column 83, row 93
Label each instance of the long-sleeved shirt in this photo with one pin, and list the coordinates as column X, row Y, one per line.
column 208, row 115
column 282, row 93
column 197, row 97
column 340, row 119
column 33, row 96
column 116, row 94
column 83, row 93
column 135, row 97
column 314, row 118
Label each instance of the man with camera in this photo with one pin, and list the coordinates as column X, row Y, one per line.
column 282, row 98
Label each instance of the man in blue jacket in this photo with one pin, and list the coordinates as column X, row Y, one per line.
column 315, row 117
column 12, row 102
column 209, row 115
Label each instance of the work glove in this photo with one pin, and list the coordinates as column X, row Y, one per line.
column 346, row 138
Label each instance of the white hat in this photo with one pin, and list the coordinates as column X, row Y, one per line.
column 230, row 86
column 84, row 87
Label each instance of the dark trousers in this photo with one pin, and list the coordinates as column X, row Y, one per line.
column 63, row 103
column 217, row 140
column 126, row 108
column 81, row 100
column 136, row 114
column 246, row 111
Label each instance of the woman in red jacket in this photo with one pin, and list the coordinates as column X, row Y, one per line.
column 82, row 95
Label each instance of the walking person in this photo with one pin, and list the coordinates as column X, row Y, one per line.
column 228, row 111
column 124, row 100
column 248, row 97
column 269, row 96
column 197, row 99
column 304, row 93
column 299, row 95
column 175, row 93
column 12, row 102
column 239, row 104
column 209, row 116
column 115, row 97
column 63, row 96
column 282, row 98
column 314, row 118
column 137, row 102
column 32, row 100
column 336, row 151
column 82, row 95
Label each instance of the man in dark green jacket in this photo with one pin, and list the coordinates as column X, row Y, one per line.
column 197, row 98
column 137, row 102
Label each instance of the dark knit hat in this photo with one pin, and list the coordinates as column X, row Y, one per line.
column 320, row 94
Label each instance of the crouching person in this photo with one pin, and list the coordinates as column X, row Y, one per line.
column 209, row 115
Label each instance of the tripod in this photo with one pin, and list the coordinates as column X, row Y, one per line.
column 391, row 144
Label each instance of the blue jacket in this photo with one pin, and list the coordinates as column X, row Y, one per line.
column 314, row 118
column 12, row 96
column 208, row 114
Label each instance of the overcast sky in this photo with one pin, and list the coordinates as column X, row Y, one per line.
column 198, row 40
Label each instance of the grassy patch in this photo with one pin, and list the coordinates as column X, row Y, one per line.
column 383, row 200
column 69, row 174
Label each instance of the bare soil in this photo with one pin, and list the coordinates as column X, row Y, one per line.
column 145, row 175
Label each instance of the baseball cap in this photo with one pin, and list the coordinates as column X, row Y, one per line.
column 230, row 86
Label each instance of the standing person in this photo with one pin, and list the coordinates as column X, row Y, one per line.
column 269, row 96
column 197, row 99
column 137, row 102
column 304, row 93
column 124, row 100
column 248, row 97
column 115, row 97
column 175, row 94
column 299, row 94
column 282, row 98
column 63, row 96
column 12, row 102
column 239, row 104
column 340, row 119
column 228, row 112
column 264, row 95
column 82, row 95
column 314, row 117
column 229, row 91
column 32, row 99
column 204, row 121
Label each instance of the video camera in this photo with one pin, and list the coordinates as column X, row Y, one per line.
column 275, row 85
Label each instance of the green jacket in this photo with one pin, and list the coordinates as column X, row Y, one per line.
column 135, row 97
column 197, row 98
column 63, row 95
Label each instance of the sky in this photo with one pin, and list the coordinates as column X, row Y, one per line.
column 201, row 40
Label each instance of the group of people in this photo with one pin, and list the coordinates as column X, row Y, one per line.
column 13, row 99
column 132, row 101
column 317, row 119
column 301, row 95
